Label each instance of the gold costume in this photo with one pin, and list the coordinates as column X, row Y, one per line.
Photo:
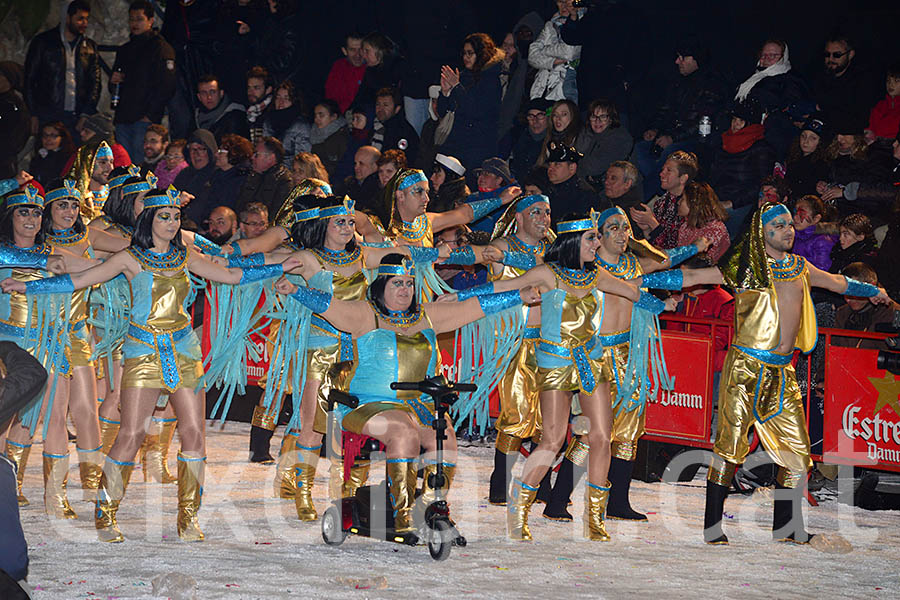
column 81, row 171
column 628, row 425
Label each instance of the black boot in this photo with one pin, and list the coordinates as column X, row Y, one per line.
column 500, row 477
column 619, row 504
column 787, row 519
column 567, row 478
column 545, row 490
column 260, row 439
column 712, row 521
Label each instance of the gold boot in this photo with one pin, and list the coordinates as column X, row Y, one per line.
column 595, row 500
column 18, row 453
column 113, row 483
column 285, row 485
column 191, row 474
column 155, row 450
column 402, row 483
column 429, row 494
column 359, row 474
column 304, row 475
column 108, row 432
column 335, row 479
column 56, row 475
column 90, row 467
column 523, row 496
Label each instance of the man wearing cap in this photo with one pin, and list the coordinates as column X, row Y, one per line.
column 697, row 92
column 391, row 130
column 568, row 192
column 527, row 148
column 493, row 178
column 99, row 127
column 809, row 168
column 759, row 386
column 521, row 236
column 625, row 258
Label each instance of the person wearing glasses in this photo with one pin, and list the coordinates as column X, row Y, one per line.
column 254, row 219
column 602, row 141
column 527, row 148
column 844, row 85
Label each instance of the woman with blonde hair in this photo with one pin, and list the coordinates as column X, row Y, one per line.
column 307, row 165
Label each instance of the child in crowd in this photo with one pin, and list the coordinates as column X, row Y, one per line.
column 856, row 243
column 859, row 314
column 815, row 236
column 884, row 118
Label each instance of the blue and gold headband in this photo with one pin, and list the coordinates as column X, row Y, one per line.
column 344, row 208
column 775, row 211
column 133, row 171
column 103, row 151
column 68, row 190
column 141, row 186
column 579, row 225
column 413, row 178
column 30, row 196
column 171, row 198
column 306, row 215
column 525, row 201
column 603, row 216
column 406, row 268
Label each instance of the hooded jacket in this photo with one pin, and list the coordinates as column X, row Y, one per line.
column 197, row 181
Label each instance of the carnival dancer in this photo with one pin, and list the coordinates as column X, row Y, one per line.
column 161, row 351
column 523, row 235
column 20, row 231
column 411, row 225
column 396, row 340
column 773, row 315
column 625, row 258
column 127, row 188
column 570, row 359
column 90, row 171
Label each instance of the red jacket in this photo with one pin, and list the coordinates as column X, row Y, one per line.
column 884, row 119
column 343, row 82
column 714, row 304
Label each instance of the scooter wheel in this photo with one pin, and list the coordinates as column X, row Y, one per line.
column 332, row 531
column 440, row 540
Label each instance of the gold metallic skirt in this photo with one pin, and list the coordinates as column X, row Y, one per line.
column 146, row 372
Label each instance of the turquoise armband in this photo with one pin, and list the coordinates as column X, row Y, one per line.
column 478, row 290
column 672, row 279
column 650, row 303
column 252, row 274
column 257, row 259
column 482, row 208
column 60, row 284
column 494, row 303
column 681, row 254
column 860, row 289
column 519, row 260
column 461, row 256
column 313, row 299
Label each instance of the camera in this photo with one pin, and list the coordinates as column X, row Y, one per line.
column 889, row 360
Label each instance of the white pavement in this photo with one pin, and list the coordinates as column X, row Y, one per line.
column 255, row 547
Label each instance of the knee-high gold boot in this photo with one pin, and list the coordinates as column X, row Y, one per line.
column 18, row 453
column 155, row 450
column 113, row 483
column 56, row 476
column 522, row 498
column 429, row 494
column 335, row 479
column 595, row 501
column 90, row 467
column 108, row 432
column 285, row 485
column 402, row 483
column 191, row 474
column 304, row 475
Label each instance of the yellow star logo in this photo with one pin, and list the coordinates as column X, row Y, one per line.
column 888, row 391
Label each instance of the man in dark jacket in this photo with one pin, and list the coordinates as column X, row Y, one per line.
column 363, row 185
column 269, row 183
column 527, row 148
column 622, row 188
column 697, row 92
column 216, row 112
column 62, row 71
column 568, row 192
column 143, row 76
column 391, row 130
column 200, row 154
column 844, row 86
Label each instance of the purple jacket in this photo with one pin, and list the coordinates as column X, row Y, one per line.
column 815, row 247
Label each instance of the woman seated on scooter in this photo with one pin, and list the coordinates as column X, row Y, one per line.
column 396, row 340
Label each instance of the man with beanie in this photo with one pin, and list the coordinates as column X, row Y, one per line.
column 527, row 149
column 143, row 78
column 98, row 127
column 62, row 71
column 200, row 154
column 697, row 92
column 568, row 192
column 493, row 177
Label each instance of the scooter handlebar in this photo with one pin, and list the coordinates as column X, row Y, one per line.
column 429, row 386
column 339, row 397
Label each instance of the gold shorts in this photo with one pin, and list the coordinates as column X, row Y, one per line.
column 628, row 426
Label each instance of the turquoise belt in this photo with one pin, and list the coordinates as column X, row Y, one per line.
column 771, row 371
column 164, row 344
column 615, row 339
column 579, row 355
